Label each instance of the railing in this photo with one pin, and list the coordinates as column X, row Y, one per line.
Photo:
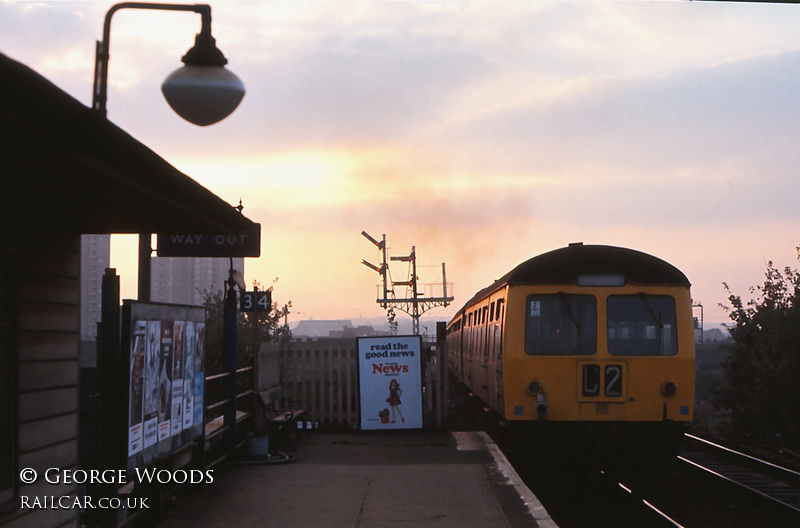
column 223, row 440
column 322, row 376
column 219, row 443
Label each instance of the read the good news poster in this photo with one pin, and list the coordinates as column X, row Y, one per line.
column 390, row 380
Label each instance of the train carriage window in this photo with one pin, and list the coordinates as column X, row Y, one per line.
column 642, row 325
column 561, row 325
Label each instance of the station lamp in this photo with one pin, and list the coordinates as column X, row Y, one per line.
column 202, row 92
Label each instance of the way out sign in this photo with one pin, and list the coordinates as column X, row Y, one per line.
column 390, row 382
column 243, row 244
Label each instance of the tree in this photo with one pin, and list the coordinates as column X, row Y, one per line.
column 252, row 329
column 762, row 393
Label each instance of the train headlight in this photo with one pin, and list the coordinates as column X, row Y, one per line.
column 668, row 389
column 535, row 387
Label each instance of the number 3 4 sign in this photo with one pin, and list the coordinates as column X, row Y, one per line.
column 255, row 301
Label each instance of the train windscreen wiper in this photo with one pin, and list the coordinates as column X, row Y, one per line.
column 563, row 297
column 653, row 313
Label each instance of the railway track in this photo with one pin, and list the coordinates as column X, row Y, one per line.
column 720, row 486
column 696, row 492
column 779, row 484
column 658, row 515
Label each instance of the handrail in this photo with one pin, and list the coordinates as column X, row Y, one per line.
column 218, row 376
column 218, row 404
column 223, row 375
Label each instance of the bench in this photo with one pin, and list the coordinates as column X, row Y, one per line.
column 283, row 420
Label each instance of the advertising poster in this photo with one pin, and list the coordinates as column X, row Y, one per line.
column 178, row 346
column 165, row 382
column 188, row 374
column 136, row 387
column 199, row 376
column 152, row 365
column 390, row 382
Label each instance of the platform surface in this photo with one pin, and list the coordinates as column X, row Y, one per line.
column 369, row 480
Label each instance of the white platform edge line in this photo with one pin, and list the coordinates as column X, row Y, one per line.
column 535, row 508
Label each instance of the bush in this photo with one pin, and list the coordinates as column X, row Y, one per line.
column 252, row 330
column 761, row 396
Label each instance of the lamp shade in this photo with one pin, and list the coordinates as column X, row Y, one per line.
column 203, row 94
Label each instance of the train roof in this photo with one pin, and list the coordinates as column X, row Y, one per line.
column 564, row 265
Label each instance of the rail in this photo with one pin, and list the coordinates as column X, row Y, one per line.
column 762, row 477
column 650, row 506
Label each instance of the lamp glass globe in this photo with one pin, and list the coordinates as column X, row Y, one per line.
column 203, row 94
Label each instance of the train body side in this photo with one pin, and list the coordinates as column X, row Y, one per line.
column 475, row 349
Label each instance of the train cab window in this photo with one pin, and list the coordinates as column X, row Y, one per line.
column 642, row 325
column 561, row 325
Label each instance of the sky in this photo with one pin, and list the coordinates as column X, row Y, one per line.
column 480, row 133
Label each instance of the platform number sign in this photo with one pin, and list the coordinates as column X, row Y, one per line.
column 255, row 301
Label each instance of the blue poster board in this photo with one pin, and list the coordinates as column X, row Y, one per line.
column 390, row 382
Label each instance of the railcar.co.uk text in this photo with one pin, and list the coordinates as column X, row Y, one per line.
column 115, row 477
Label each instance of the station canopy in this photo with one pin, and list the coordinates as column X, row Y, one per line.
column 64, row 168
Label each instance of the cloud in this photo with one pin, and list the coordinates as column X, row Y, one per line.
column 483, row 133
column 706, row 115
column 360, row 91
column 23, row 24
column 698, row 141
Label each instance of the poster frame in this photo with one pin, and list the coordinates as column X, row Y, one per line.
column 411, row 392
column 138, row 332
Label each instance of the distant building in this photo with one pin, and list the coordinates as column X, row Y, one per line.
column 333, row 328
column 183, row 280
column 357, row 331
column 95, row 258
column 714, row 336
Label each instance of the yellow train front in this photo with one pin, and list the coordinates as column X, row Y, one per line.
column 586, row 353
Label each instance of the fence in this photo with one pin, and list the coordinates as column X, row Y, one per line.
column 322, row 375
